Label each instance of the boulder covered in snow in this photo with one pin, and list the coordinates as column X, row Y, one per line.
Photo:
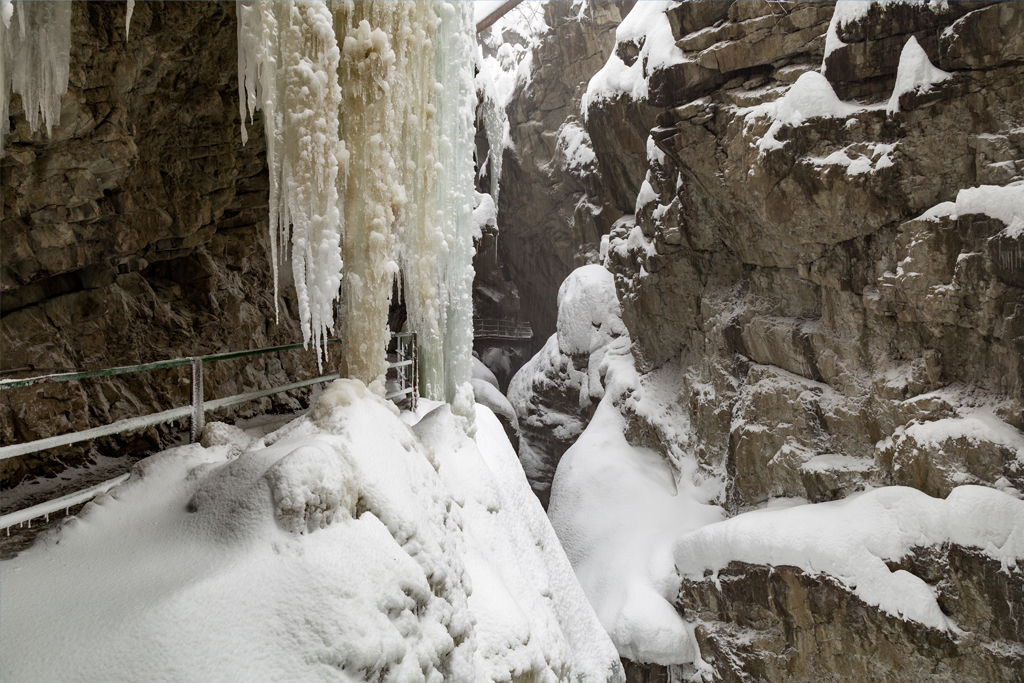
column 556, row 392
column 344, row 546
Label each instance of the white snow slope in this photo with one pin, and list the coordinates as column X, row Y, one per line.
column 344, row 546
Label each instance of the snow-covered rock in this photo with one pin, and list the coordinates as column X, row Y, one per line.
column 556, row 392
column 344, row 546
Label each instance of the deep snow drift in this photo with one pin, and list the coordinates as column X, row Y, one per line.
column 344, row 546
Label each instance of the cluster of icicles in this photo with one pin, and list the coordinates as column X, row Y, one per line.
column 368, row 115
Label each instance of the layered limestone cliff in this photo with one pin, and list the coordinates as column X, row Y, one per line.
column 136, row 232
column 823, row 281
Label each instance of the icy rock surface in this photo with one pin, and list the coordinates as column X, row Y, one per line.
column 344, row 546
column 556, row 392
column 35, row 46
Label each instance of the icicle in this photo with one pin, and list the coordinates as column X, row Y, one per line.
column 404, row 179
column 288, row 60
column 128, row 18
column 35, row 38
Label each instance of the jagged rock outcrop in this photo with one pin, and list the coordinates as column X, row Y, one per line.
column 794, row 270
column 823, row 281
column 775, row 623
column 136, row 231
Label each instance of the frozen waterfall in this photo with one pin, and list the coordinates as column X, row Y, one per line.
column 368, row 111
column 35, row 47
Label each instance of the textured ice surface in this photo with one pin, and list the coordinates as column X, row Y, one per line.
column 369, row 116
column 35, row 47
column 288, row 61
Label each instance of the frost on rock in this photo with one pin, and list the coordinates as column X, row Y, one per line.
column 35, row 48
column 576, row 146
column 914, row 74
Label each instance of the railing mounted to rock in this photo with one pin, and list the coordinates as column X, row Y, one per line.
column 494, row 328
column 405, row 384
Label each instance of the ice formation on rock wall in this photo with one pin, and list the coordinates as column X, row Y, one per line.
column 288, row 67
column 387, row 71
column 379, row 170
column 453, row 61
column 128, row 18
column 35, row 46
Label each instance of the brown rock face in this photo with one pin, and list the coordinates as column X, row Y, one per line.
column 136, row 232
column 548, row 226
column 794, row 298
column 823, row 316
column 758, row 623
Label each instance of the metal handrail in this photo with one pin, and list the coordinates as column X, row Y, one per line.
column 145, row 367
column 408, row 372
column 497, row 328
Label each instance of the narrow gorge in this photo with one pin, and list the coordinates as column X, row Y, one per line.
column 718, row 358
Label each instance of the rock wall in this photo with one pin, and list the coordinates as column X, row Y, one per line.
column 828, row 316
column 136, row 232
column 552, row 209
column 824, row 285
column 833, row 329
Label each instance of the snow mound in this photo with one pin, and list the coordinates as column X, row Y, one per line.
column 617, row 511
column 488, row 395
column 811, row 96
column 344, row 546
column 485, row 215
column 483, row 373
column 915, row 73
column 222, row 434
column 648, row 28
column 851, row 540
column 588, row 311
column 1003, row 202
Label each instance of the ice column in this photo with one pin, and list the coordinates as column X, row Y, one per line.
column 288, row 61
column 35, row 47
column 386, row 121
column 456, row 105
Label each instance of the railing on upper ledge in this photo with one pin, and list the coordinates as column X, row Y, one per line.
column 404, row 384
column 494, row 328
